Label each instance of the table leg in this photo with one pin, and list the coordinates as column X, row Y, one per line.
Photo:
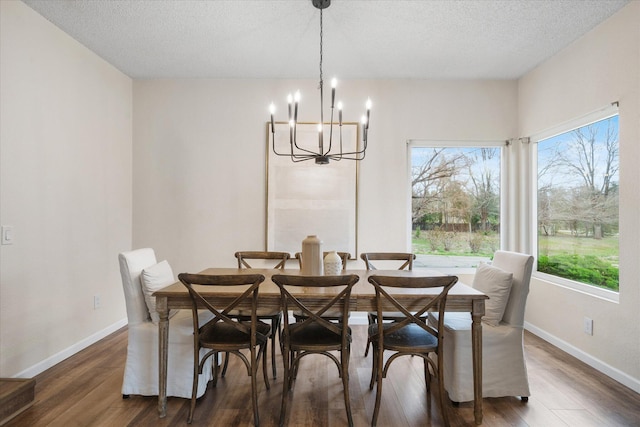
column 476, row 340
column 163, row 345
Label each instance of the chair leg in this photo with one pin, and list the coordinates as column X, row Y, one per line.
column 427, row 375
column 286, row 382
column 254, row 385
column 194, row 389
column 525, row 399
column 376, row 408
column 226, row 363
column 264, row 366
column 374, row 367
column 215, row 367
column 275, row 325
column 370, row 322
column 345, row 384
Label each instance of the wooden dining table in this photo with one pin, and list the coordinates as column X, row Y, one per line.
column 461, row 298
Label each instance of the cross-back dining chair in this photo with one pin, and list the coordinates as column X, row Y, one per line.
column 272, row 259
column 390, row 260
column 315, row 334
column 226, row 334
column 411, row 336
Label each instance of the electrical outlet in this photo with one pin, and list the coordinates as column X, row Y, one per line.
column 7, row 235
column 96, row 302
column 588, row 326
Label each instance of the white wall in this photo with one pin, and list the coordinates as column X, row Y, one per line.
column 65, row 187
column 199, row 155
column 601, row 67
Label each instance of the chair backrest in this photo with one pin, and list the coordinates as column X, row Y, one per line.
column 521, row 266
column 341, row 286
column 416, row 313
column 280, row 257
column 131, row 265
column 344, row 256
column 406, row 258
column 220, row 310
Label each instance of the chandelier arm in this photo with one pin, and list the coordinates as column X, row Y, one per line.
column 292, row 154
column 295, row 143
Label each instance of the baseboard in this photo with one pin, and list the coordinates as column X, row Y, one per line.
column 608, row 370
column 70, row 351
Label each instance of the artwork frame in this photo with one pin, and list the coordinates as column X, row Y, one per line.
column 304, row 198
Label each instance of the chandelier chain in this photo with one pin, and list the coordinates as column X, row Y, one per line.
column 321, row 84
column 321, row 33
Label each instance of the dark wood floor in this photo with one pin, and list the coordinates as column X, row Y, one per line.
column 84, row 390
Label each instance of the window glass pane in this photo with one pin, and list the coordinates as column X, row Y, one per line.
column 455, row 205
column 578, row 204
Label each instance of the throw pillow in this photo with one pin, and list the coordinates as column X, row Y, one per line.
column 496, row 283
column 155, row 278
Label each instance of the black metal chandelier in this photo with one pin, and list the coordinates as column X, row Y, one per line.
column 324, row 152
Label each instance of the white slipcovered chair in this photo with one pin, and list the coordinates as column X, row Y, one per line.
column 504, row 372
column 141, row 368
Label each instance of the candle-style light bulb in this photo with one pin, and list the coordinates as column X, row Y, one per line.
column 365, row 126
column 320, row 136
column 368, row 105
column 334, row 83
column 340, row 112
column 272, row 110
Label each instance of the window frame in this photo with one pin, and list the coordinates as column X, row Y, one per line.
column 433, row 143
column 568, row 126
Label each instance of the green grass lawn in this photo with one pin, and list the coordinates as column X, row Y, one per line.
column 570, row 245
column 583, row 259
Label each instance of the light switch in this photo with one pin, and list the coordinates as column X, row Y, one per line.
column 7, row 235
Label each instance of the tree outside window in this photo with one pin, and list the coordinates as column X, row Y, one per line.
column 578, row 204
column 455, row 205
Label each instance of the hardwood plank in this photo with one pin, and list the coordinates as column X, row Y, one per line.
column 84, row 390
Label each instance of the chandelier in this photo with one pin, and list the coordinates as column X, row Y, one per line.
column 324, row 152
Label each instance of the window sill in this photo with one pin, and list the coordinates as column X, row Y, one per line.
column 593, row 291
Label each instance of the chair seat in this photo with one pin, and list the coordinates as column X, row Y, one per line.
column 315, row 335
column 410, row 338
column 224, row 335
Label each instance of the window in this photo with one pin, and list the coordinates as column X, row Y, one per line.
column 455, row 203
column 577, row 204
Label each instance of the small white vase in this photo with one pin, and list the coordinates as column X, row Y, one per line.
column 332, row 264
column 312, row 256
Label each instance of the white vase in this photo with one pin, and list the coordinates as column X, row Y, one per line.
column 332, row 264
column 312, row 256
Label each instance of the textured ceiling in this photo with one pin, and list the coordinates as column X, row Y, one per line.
column 477, row 39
